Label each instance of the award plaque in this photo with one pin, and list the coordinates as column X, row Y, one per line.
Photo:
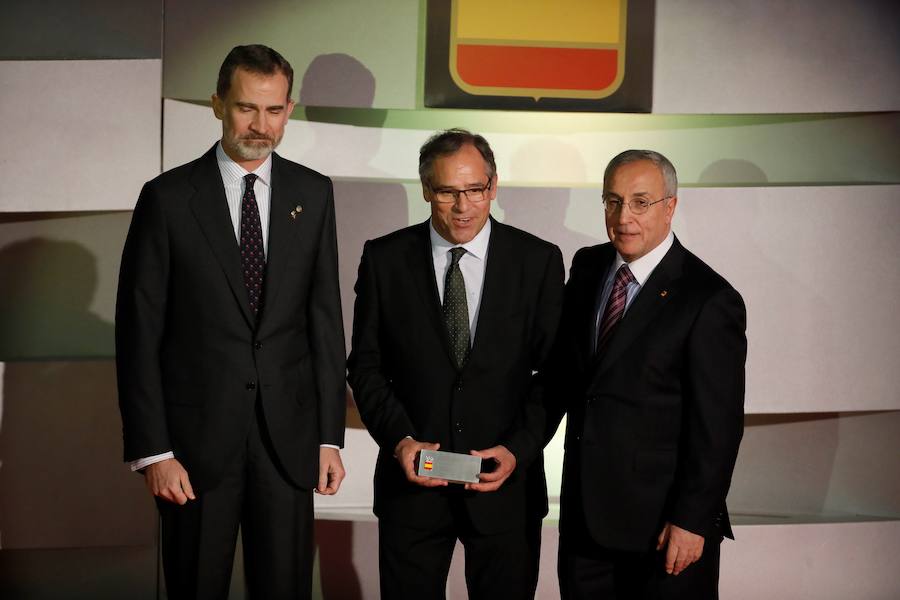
column 458, row 468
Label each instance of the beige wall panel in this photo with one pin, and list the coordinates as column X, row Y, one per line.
column 816, row 270
column 745, row 56
column 79, row 134
column 63, row 483
column 825, row 561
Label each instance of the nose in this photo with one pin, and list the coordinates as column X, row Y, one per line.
column 461, row 203
column 258, row 123
column 623, row 215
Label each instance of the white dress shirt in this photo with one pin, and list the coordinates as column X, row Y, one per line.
column 641, row 268
column 233, row 180
column 471, row 264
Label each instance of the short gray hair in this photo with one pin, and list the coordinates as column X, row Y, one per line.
column 661, row 162
column 447, row 142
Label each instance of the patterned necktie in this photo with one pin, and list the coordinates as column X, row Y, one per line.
column 253, row 255
column 456, row 310
column 615, row 307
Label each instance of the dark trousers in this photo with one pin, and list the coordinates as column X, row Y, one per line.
column 590, row 571
column 414, row 563
column 275, row 518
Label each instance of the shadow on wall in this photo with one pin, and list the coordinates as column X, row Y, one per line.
column 363, row 209
column 542, row 211
column 48, row 286
column 332, row 84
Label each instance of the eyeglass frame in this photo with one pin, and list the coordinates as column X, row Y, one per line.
column 457, row 193
column 621, row 203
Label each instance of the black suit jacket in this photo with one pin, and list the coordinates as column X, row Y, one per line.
column 654, row 421
column 405, row 383
column 190, row 356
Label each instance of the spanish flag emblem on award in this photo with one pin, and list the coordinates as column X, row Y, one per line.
column 538, row 54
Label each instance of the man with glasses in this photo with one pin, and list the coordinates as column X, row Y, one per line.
column 649, row 368
column 452, row 317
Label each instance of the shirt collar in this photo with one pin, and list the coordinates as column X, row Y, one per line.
column 643, row 267
column 233, row 173
column 477, row 246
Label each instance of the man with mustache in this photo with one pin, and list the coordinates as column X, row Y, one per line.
column 230, row 348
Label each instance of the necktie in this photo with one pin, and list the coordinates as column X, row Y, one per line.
column 253, row 255
column 456, row 310
column 615, row 307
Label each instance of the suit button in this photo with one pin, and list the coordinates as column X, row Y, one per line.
column 459, row 427
column 257, row 345
column 459, row 385
column 251, row 385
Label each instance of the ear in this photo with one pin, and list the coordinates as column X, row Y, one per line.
column 218, row 107
column 492, row 193
column 670, row 209
column 289, row 109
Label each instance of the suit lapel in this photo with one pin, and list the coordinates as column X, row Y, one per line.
column 284, row 225
column 210, row 208
column 499, row 283
column 593, row 287
column 658, row 290
column 421, row 265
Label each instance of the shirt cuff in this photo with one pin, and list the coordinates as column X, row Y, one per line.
column 329, row 446
column 143, row 463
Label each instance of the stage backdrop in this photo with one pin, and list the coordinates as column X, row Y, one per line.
column 781, row 118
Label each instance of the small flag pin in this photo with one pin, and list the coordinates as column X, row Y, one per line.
column 297, row 210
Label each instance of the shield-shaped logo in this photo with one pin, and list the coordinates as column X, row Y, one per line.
column 560, row 49
column 572, row 55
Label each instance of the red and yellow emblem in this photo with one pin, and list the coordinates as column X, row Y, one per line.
column 428, row 465
column 537, row 48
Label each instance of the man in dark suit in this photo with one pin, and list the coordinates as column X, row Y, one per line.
column 229, row 346
column 452, row 318
column 649, row 367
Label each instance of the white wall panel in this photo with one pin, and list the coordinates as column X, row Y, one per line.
column 816, row 269
column 574, row 149
column 746, row 56
column 78, row 134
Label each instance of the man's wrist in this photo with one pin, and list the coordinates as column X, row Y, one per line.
column 143, row 463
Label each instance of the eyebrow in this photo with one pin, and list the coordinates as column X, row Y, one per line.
column 251, row 105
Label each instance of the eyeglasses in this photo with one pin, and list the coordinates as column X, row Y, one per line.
column 637, row 206
column 451, row 196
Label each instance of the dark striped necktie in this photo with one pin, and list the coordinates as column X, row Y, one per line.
column 615, row 307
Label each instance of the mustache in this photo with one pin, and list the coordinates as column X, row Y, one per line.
column 258, row 138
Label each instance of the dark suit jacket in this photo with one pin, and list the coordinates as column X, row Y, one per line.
column 190, row 359
column 654, row 422
column 405, row 383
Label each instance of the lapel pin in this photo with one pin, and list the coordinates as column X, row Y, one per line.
column 297, row 210
column 664, row 293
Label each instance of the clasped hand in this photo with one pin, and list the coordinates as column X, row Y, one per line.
column 406, row 451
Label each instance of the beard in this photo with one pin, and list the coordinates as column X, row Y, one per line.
column 253, row 147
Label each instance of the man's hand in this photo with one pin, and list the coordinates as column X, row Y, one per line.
column 683, row 548
column 168, row 480
column 331, row 471
column 506, row 464
column 405, row 453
